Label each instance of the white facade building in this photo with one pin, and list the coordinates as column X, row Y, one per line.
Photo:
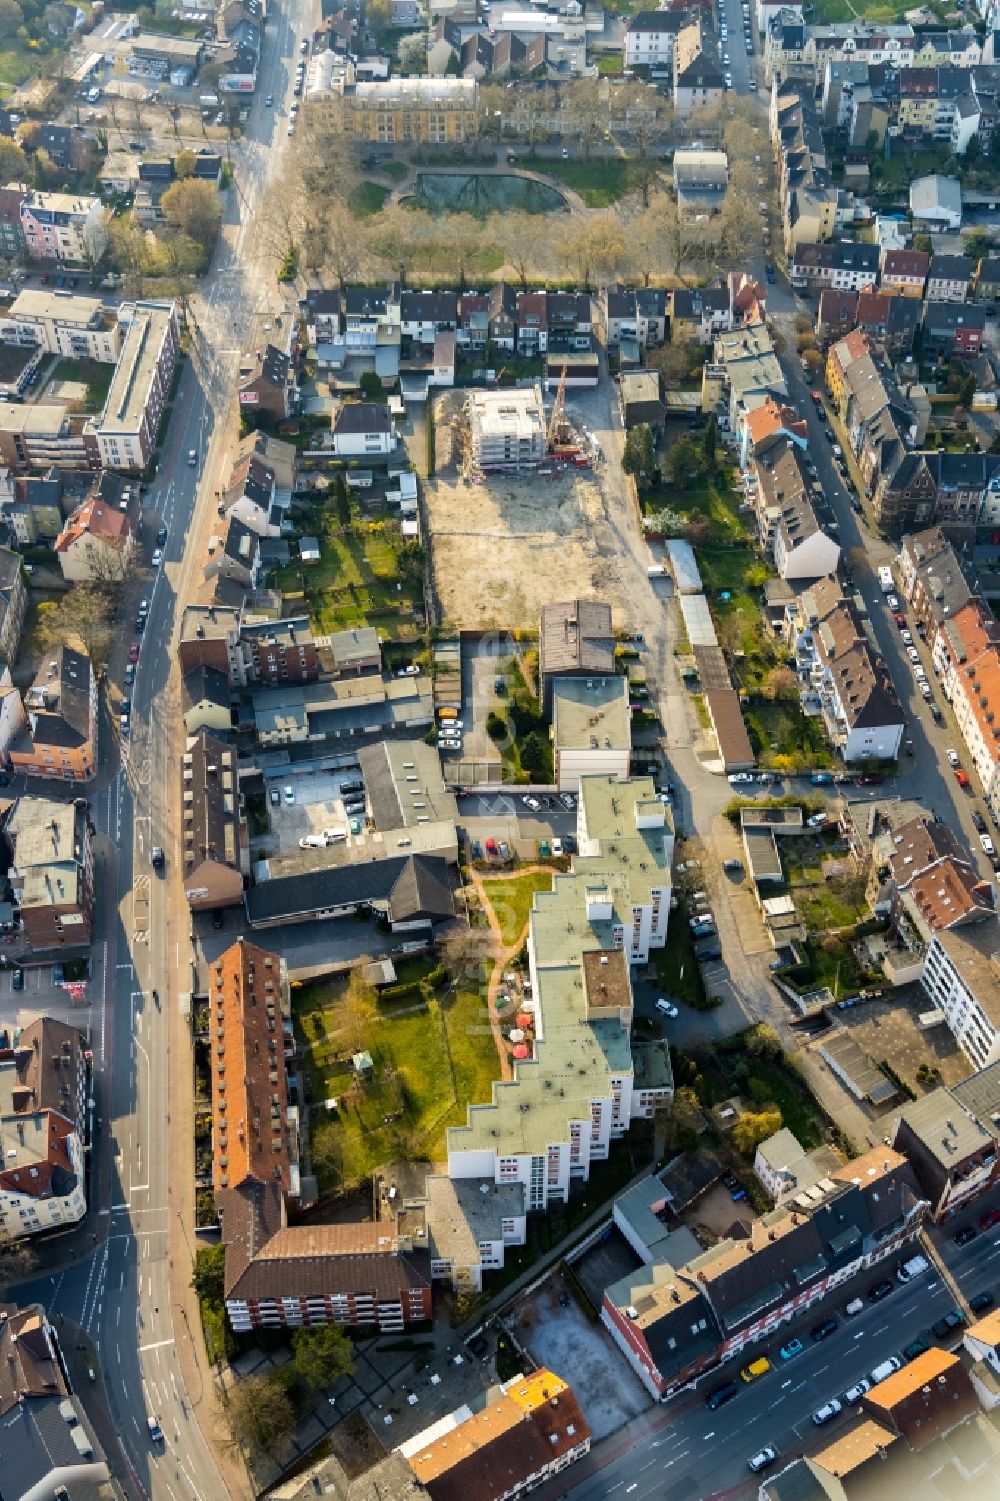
column 592, row 729
column 78, row 328
column 961, row 976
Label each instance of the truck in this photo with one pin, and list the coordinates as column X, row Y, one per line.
column 208, row 101
column 915, row 1267
column 885, row 580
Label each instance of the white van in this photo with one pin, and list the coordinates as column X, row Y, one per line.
column 915, row 1267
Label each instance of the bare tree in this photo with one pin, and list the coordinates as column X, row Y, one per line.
column 83, row 615
column 585, row 112
column 519, row 239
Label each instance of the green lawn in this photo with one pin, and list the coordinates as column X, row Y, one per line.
column 784, row 738
column 15, row 67
column 511, row 900
column 869, row 10
column 430, row 1060
column 676, row 966
column 367, row 199
column 609, row 64
column 395, row 171
column 833, row 965
column 355, row 582
column 96, row 375
column 712, row 499
column 599, row 183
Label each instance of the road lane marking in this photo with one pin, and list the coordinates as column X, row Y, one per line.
column 709, row 1435
column 157, row 1344
column 786, row 1383
column 861, row 1334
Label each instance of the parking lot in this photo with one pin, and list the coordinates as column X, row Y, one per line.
column 482, row 663
column 504, row 818
column 41, row 996
column 316, row 803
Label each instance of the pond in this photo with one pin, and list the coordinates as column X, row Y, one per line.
column 482, row 194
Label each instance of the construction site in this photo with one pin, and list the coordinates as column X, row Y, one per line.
column 517, row 505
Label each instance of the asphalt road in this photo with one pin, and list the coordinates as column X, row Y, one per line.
column 119, row 1293
column 683, row 1452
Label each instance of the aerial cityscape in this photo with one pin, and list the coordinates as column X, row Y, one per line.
column 500, row 750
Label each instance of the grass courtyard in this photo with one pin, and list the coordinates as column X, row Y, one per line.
column 368, row 199
column 511, row 900
column 599, row 183
column 432, row 1054
column 358, row 581
column 94, row 374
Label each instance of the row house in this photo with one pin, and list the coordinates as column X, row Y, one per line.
column 423, row 315
column 215, row 848
column 698, row 75
column 921, row 877
column 249, row 496
column 953, row 329
column 634, row 317
column 845, row 266
column 931, row 577
column 267, row 382
column 807, row 195
column 60, row 736
column 743, row 371
column 874, row 408
column 961, row 640
column 51, row 875
column 762, row 426
column 986, row 282
column 673, row 1320
column 700, row 313
column 862, row 714
column 905, row 272
column 650, row 36
column 789, row 530
column 63, row 227
column 950, row 1139
column 948, row 278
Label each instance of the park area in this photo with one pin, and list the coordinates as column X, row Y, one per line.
column 367, row 575
column 430, row 1052
column 511, row 900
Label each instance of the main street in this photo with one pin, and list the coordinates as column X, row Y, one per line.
column 127, row 1294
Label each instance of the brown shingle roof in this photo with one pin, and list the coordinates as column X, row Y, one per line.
column 248, row 1061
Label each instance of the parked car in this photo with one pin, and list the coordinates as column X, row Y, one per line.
column 477, row 850
column 17, row 979
column 161, row 537
column 880, row 1290
column 828, row 1411
column 963, row 1236
column 133, row 653
column 721, row 1395
column 981, row 1302
column 988, row 1220
column 289, row 794
column 952, row 756
column 914, row 1348
column 978, row 820
column 952, row 1320
column 821, row 779
column 504, row 851
column 755, row 1370
column 157, row 558
column 856, row 1392
column 532, row 803
column 667, row 1008
column 791, row 1349
column 491, row 846
column 762, row 1458
column 824, row 1329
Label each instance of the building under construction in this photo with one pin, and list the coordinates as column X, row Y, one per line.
column 507, row 428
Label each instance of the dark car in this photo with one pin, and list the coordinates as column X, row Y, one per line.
column 951, row 1321
column 477, row 850
column 963, row 1236
column 981, row 1302
column 987, row 1221
column 721, row 1395
column 17, row 980
column 736, row 1189
column 478, row 1345
column 821, row 1331
column 769, row 272
column 871, row 779
column 58, row 974
column 217, row 919
column 978, row 820
column 161, row 537
column 879, row 1291
column 914, row 1348
column 140, row 624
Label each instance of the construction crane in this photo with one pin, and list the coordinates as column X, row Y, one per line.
column 560, row 433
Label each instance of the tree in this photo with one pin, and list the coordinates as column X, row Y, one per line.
column 412, row 54
column 781, row 683
column 17, row 1259
column 322, row 1355
column 813, row 360
column 185, row 163
column 536, row 758
column 519, row 240
column 360, row 1008
column 585, row 112
column 709, row 438
column 683, row 463
column 754, row 1127
column 378, row 15
column 11, row 17
column 639, row 458
column 193, row 207
column 260, row 1417
column 697, row 529
column 674, row 360
column 342, row 500
column 95, row 238
column 81, row 616
column 209, row 1273
column 464, row 951
column 13, row 162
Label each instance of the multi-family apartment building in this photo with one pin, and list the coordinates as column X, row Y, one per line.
column 961, row 978
column 63, row 227
column 125, row 433
column 806, row 193
column 436, row 111
column 13, row 603
column 584, row 1083
column 675, row 1318
column 60, row 737
column 862, row 714
column 51, row 874
column 698, row 78
column 650, row 36
column 97, row 543
column 43, row 1090
column 931, row 578
column 905, row 272
column 961, row 640
column 921, row 877
column 74, row 326
column 845, row 266
column 788, row 527
column 214, row 851
column 952, row 1141
column 743, row 372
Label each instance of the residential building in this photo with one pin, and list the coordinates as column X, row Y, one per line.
column 63, row 227
column 951, row 329
column 206, row 701
column 961, row 640
column 700, row 181
column 238, row 558
column 785, row 1169
column 591, row 728
column 975, row 699
column 50, row 1447
column 949, row 278
column 533, row 1429
column 931, row 578
column 12, row 716
column 437, row 111
column 97, row 544
column 742, row 373
column 208, row 638
column 60, row 738
column 43, row 1090
column 508, row 428
column 986, row 283
column 502, row 322
column 650, row 36
column 929, row 1397
column 125, row 433
column 267, row 382
column 44, row 436
column 267, row 652
column 73, row 326
column 531, row 318
column 789, row 529
column 961, row 977
column 12, row 243
column 52, row 873
column 468, row 1226
column 701, row 313
column 672, row 1320
column 569, row 321
column 584, row 1083
column 422, row 315
column 905, row 271
column 576, row 639
column 363, row 429
column 13, row 603
column 951, row 1144
column 807, row 196
column 846, row 266
column 411, row 892
column 936, row 202
column 354, row 652
column 350, row 708
column 860, row 709
column 214, row 846
column 256, row 1129
column 922, row 877
column 698, row 80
